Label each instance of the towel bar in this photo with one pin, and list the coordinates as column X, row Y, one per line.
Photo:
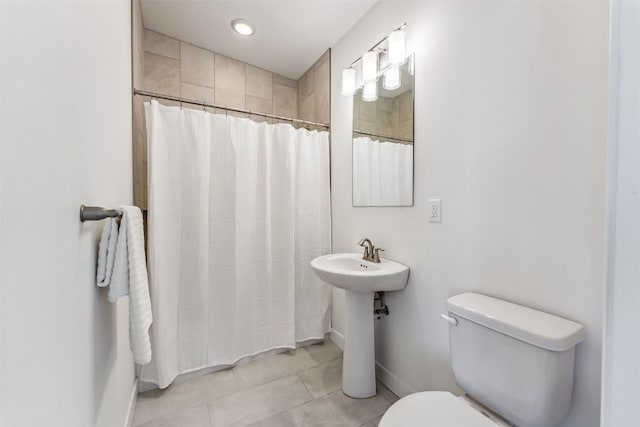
column 96, row 213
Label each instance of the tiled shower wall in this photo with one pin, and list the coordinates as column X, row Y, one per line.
column 313, row 91
column 172, row 67
column 386, row 117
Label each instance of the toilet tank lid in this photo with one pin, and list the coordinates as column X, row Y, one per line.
column 523, row 323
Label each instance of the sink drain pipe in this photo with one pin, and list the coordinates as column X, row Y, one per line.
column 379, row 307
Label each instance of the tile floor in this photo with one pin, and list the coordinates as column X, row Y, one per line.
column 298, row 388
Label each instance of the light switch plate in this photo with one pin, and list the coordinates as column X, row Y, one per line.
column 435, row 211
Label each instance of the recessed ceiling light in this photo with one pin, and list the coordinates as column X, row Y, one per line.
column 242, row 27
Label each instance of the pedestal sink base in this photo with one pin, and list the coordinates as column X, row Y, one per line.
column 360, row 278
column 358, row 365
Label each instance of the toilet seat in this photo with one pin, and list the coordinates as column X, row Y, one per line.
column 433, row 408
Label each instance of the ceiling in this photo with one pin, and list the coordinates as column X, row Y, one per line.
column 290, row 34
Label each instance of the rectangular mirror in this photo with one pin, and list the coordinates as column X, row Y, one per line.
column 383, row 144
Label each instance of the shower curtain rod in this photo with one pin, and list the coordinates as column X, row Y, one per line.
column 408, row 141
column 222, row 107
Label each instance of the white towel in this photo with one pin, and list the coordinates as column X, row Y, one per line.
column 107, row 252
column 119, row 283
column 129, row 277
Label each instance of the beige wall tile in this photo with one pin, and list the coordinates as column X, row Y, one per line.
column 161, row 45
column 356, row 111
column 137, row 42
column 307, row 108
column 169, row 103
column 285, row 101
column 384, row 104
column 368, row 111
column 235, row 114
column 161, row 74
column 284, row 81
column 406, row 129
column 196, row 65
column 198, row 93
column 139, row 153
column 305, row 85
column 321, row 91
column 396, row 116
column 406, row 105
column 316, row 83
column 258, row 82
column 230, row 82
column 384, row 121
column 368, row 127
column 259, row 105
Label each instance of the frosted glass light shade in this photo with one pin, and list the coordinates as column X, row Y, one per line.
column 395, row 47
column 391, row 78
column 369, row 66
column 348, row 82
column 370, row 91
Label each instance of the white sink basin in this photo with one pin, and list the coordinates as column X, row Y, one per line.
column 349, row 271
column 360, row 279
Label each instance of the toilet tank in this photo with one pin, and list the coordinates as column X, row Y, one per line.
column 515, row 360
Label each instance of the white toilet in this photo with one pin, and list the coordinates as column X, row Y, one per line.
column 512, row 360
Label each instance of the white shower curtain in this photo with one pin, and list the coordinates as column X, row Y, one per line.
column 382, row 173
column 237, row 210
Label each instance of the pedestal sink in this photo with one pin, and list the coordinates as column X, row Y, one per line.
column 360, row 279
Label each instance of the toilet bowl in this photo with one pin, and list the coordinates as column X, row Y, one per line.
column 516, row 363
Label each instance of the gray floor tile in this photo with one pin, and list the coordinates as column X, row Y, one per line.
column 323, row 379
column 160, row 403
column 198, row 416
column 283, row 419
column 296, row 360
column 376, row 421
column 268, row 367
column 369, row 424
column 255, row 404
column 381, row 389
column 338, row 410
column 324, row 352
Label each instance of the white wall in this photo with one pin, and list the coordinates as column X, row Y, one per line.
column 621, row 364
column 66, row 139
column 510, row 131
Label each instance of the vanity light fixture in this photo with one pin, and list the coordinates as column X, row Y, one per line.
column 395, row 51
column 391, row 78
column 370, row 91
column 396, row 47
column 349, row 81
column 370, row 66
column 242, row 27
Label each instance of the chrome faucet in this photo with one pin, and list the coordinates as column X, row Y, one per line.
column 371, row 253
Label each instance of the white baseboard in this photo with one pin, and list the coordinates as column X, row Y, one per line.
column 337, row 338
column 132, row 404
column 392, row 382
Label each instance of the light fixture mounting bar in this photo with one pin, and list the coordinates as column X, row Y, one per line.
column 377, row 45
